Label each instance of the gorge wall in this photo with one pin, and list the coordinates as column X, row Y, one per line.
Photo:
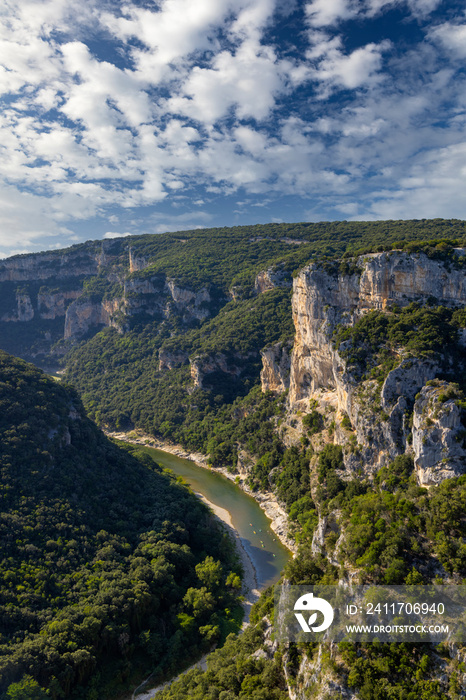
column 388, row 417
column 71, row 295
column 59, row 298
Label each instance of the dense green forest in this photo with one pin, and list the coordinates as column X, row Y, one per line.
column 108, row 567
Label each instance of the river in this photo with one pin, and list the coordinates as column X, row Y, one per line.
column 263, row 547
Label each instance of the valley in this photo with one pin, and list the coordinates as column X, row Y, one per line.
column 327, row 378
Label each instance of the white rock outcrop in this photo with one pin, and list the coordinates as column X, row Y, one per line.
column 271, row 278
column 276, row 363
column 24, row 310
column 438, row 434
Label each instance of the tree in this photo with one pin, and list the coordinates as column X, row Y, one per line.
column 26, row 689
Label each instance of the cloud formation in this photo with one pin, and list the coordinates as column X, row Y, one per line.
column 135, row 115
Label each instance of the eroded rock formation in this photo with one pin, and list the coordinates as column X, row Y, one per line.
column 271, row 278
column 169, row 359
column 61, row 285
column 204, row 365
column 84, row 314
column 438, row 434
column 325, row 296
column 275, row 373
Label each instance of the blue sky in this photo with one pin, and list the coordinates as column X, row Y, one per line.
column 160, row 115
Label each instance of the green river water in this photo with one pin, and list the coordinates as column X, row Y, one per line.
column 265, row 550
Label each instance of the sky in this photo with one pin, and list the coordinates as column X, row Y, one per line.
column 148, row 116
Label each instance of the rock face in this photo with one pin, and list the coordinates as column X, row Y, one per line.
column 51, row 305
column 60, row 285
column 404, row 277
column 325, row 296
column 144, row 295
column 41, row 266
column 275, row 373
column 192, row 305
column 320, row 302
column 171, row 359
column 137, row 263
column 380, row 418
column 438, row 435
column 83, row 314
column 24, row 310
column 271, row 278
column 203, row 365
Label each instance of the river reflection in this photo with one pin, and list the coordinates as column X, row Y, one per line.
column 266, row 551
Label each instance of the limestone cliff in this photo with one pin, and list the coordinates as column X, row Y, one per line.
column 275, row 373
column 190, row 304
column 271, row 278
column 144, row 295
column 438, row 434
column 41, row 266
column 137, row 263
column 84, row 314
column 327, row 295
column 24, row 310
column 95, row 285
column 169, row 359
column 51, row 305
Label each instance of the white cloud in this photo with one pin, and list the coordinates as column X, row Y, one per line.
column 178, row 29
column 248, row 80
column 161, row 222
column 335, row 69
column 251, row 19
column 325, row 13
column 250, row 140
column 356, row 69
column 100, row 81
column 452, row 37
column 423, row 7
column 26, row 222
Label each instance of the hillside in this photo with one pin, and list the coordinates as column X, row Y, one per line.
column 108, row 566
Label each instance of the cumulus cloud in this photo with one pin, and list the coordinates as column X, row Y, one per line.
column 249, row 80
column 179, row 28
column 324, row 13
column 334, row 68
column 452, row 37
column 432, row 188
column 115, row 234
column 26, row 223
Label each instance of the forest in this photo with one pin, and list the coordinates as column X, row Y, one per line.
column 109, row 567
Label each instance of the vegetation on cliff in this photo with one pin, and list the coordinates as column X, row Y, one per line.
column 374, row 342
